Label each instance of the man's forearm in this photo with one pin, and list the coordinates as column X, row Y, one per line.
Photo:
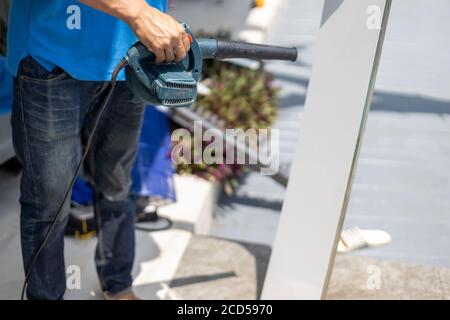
column 159, row 32
column 126, row 10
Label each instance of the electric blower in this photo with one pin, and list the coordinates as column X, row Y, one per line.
column 167, row 84
column 175, row 84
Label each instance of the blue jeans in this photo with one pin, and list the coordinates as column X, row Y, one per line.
column 51, row 119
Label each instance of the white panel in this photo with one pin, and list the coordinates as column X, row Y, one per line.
column 346, row 59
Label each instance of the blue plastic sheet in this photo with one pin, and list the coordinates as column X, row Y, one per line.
column 6, row 80
column 154, row 170
column 82, row 193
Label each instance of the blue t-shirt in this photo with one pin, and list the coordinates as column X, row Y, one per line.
column 85, row 42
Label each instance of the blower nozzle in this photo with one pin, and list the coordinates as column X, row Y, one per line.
column 222, row 49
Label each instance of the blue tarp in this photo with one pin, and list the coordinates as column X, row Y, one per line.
column 154, row 170
column 6, row 80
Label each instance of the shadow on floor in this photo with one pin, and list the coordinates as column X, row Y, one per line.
column 261, row 253
column 258, row 202
column 217, row 268
column 184, row 281
column 396, row 102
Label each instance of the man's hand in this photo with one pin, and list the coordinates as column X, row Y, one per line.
column 159, row 32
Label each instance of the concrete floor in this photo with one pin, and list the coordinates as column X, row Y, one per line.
column 207, row 272
column 403, row 176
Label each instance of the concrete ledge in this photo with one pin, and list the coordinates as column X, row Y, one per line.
column 252, row 36
column 262, row 17
column 259, row 21
column 196, row 201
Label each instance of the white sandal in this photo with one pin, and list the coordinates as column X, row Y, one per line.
column 356, row 238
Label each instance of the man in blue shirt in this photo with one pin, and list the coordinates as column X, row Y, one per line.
column 62, row 54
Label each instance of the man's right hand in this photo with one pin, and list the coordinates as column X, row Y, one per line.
column 159, row 32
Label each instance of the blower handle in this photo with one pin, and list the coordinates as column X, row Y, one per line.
column 142, row 52
column 139, row 52
column 222, row 49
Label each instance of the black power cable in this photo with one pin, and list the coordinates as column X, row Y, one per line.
column 152, row 222
column 103, row 107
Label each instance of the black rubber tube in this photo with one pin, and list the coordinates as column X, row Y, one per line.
column 234, row 49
